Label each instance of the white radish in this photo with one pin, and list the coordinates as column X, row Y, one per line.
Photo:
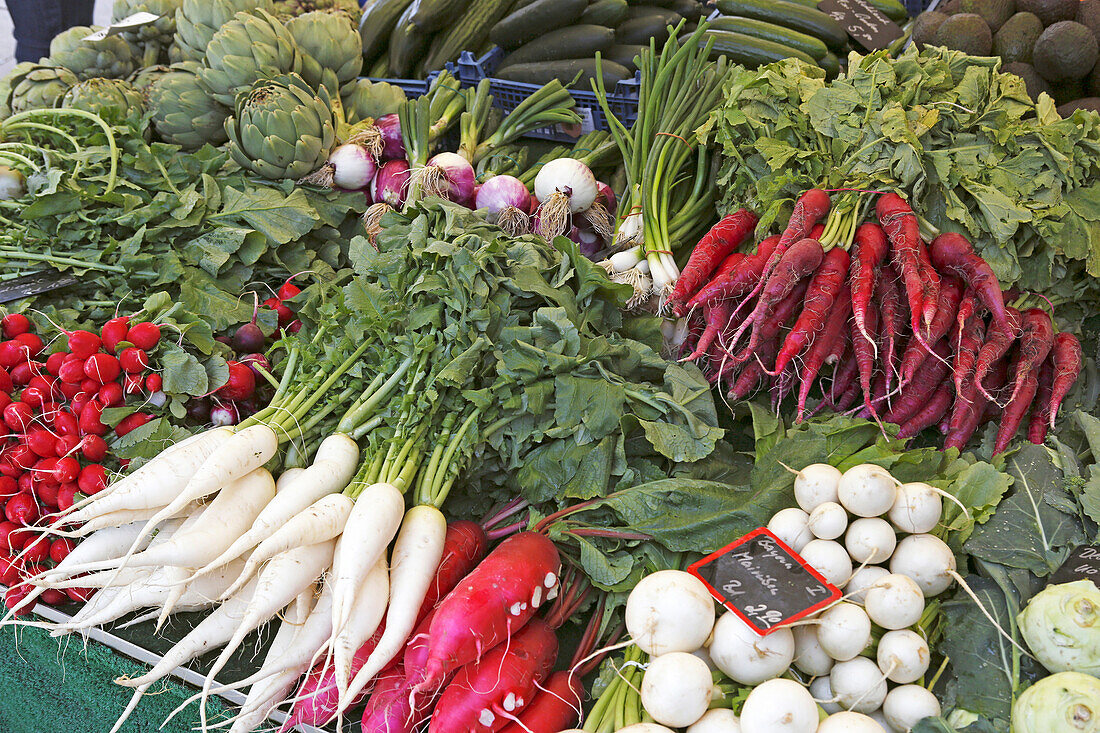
column 121, row 518
column 847, row 721
column 747, row 657
column 878, row 717
column 907, row 705
column 669, row 611
column 322, row 520
column 370, row 607
column 791, row 526
column 844, row 631
column 927, row 560
column 903, row 656
column 823, row 695
column 862, row 579
column 830, row 559
column 779, row 706
column 816, row 484
column 809, row 656
column 718, row 720
column 413, row 564
column 870, row 540
column 370, row 528
column 333, row 467
column 866, row 490
column 894, row 602
column 858, row 685
column 286, row 478
column 676, row 689
column 828, row 520
column 284, row 577
column 917, row 508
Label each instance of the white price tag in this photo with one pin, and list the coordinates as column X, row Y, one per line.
column 128, row 23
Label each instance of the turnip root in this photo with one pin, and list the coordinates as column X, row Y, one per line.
column 809, row 656
column 862, row 579
column 894, row 602
column 927, row 560
column 822, row 691
column 719, row 720
column 866, row 490
column 870, row 540
column 747, row 657
column 830, row 559
column 917, row 508
column 816, row 484
column 858, row 685
column 790, row 526
column 828, row 520
column 907, row 705
column 903, row 655
column 669, row 611
column 779, row 706
column 676, row 689
column 844, row 631
column 848, row 722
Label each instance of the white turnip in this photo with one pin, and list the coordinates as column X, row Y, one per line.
column 866, row 490
column 828, row 520
column 747, row 657
column 676, row 689
column 870, row 540
column 779, row 706
column 927, row 560
column 907, row 705
column 894, row 602
column 823, row 694
column 791, row 526
column 848, row 722
column 903, row 655
column 719, row 720
column 862, row 579
column 917, row 508
column 669, row 611
column 809, row 656
column 830, row 559
column 816, row 484
column 844, row 631
column 858, row 685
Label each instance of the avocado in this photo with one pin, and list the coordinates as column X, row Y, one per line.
column 965, row 32
column 1092, row 81
column 951, row 7
column 1016, row 38
column 925, row 27
column 1035, row 84
column 1088, row 15
column 995, row 12
column 1049, row 11
column 1066, row 50
column 1089, row 104
column 1068, row 91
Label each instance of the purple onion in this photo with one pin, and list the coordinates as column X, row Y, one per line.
column 500, row 192
column 589, row 243
column 605, row 196
column 458, row 175
column 391, row 185
column 393, row 145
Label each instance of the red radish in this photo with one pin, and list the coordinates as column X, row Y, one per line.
column 241, row 383
column 102, row 368
column 997, row 343
column 53, row 596
column 557, row 706
column 1024, row 387
column 863, row 348
column 968, row 306
column 37, row 550
column 823, row 345
column 11, row 570
column 144, row 335
column 753, row 373
column 54, row 362
column 15, row 596
column 12, row 540
column 154, row 382
column 80, row 595
column 72, row 372
column 1036, row 341
column 111, row 394
column 820, row 296
column 965, row 420
column 42, row 442
column 951, row 295
column 769, row 330
column 21, row 509
column 916, row 394
column 18, row 416
column 489, row 692
column 6, row 384
column 900, row 224
column 736, row 282
column 930, row 279
column 224, row 414
column 93, row 448
column 66, row 445
column 294, row 326
column 390, row 708
column 952, row 253
column 114, row 332
column 65, row 423
column 871, row 246
column 8, row 487
column 93, row 479
column 498, row 597
column 717, row 316
column 1066, row 355
column 30, row 343
column 22, row 374
column 15, row 324
column 892, row 321
column 966, row 353
column 89, row 421
column 66, row 496
column 800, row 260
column 34, row 397
column 715, row 246
column 133, row 360
column 131, row 385
column 67, row 469
column 1040, row 408
column 84, row 343
column 288, row 290
column 22, row 457
column 809, row 209
column 132, row 422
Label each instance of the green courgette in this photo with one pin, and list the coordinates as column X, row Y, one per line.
column 752, row 52
column 665, row 15
column 791, row 15
column 624, row 54
column 564, row 70
column 407, row 44
column 431, row 15
column 770, row 32
column 532, row 21
column 831, row 63
column 892, row 9
column 605, row 12
column 640, row 30
column 378, row 23
column 691, row 10
column 574, row 42
column 470, row 32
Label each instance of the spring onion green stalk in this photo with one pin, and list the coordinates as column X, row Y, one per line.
column 594, row 149
column 446, row 102
column 549, row 105
column 479, row 103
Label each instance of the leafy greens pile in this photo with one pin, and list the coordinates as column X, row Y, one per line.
column 960, row 140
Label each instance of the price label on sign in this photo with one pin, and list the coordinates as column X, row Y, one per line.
column 864, row 24
column 1082, row 564
column 764, row 581
column 128, row 23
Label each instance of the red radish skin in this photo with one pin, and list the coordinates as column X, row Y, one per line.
column 1023, row 392
column 801, row 260
column 1036, row 341
column 717, row 316
column 970, row 342
column 1066, row 355
column 871, row 246
column 737, row 282
column 820, row 296
column 488, row 693
column 782, row 314
column 900, row 224
column 487, row 607
column 952, row 253
column 753, row 373
column 1040, row 409
column 820, row 348
column 782, row 386
column 729, row 264
column 965, row 421
column 920, row 390
column 951, row 294
column 846, row 376
column 997, row 343
column 865, row 353
column 968, row 306
column 930, row 280
column 891, row 319
column 557, row 706
column 717, row 244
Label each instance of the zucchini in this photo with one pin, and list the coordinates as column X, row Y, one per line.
column 666, row 16
column 377, row 25
column 691, row 10
column 771, row 32
column 407, row 44
column 573, row 42
column 831, row 63
column 623, row 54
column 791, row 15
column 564, row 70
column 751, row 52
column 605, row 12
column 892, row 9
column 530, row 22
column 640, row 30
column 431, row 15
column 470, row 31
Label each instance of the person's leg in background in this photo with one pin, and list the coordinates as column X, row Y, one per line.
column 38, row 21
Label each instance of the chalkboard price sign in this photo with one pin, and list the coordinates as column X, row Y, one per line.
column 1082, row 564
column 764, row 581
column 864, row 23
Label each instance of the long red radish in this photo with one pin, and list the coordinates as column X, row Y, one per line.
column 717, row 316
column 1040, row 408
column 556, row 707
column 717, row 244
column 769, row 330
column 845, row 377
column 997, row 343
column 871, row 246
column 394, row 707
column 737, row 282
column 952, row 253
column 966, row 421
column 863, row 345
column 497, row 598
column 1024, row 387
column 970, row 341
column 919, row 390
column 930, row 413
column 891, row 319
column 782, row 386
column 903, row 232
column 753, row 373
column 951, row 293
column 1036, row 341
column 820, row 348
column 822, row 292
column 968, row 306
column 1066, row 355
column 930, row 279
column 485, row 695
column 800, row 260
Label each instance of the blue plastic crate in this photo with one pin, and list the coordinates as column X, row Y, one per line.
column 916, row 7
column 507, row 95
column 411, row 87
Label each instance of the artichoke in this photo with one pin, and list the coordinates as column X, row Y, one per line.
column 282, row 128
column 150, row 41
column 38, row 86
column 331, row 50
column 1061, row 625
column 198, row 20
column 110, row 58
column 144, row 77
column 366, row 99
column 1066, row 702
column 292, row 8
column 184, row 113
column 100, row 95
column 247, row 49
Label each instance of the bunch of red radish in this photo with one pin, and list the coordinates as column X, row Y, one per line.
column 919, row 334
column 54, row 441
